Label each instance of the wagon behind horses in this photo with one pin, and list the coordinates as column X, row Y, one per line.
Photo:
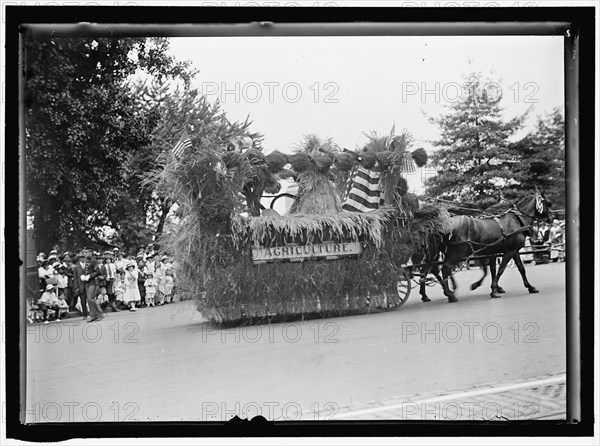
column 504, row 234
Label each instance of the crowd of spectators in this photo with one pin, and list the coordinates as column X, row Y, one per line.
column 91, row 283
column 550, row 234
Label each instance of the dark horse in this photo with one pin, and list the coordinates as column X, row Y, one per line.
column 503, row 235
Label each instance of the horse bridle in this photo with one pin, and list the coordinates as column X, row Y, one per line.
column 527, row 215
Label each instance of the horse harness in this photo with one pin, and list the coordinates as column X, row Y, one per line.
column 525, row 227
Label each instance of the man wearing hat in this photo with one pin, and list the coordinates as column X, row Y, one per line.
column 43, row 273
column 78, row 283
column 86, row 271
column 556, row 232
column 109, row 271
column 53, row 257
column 50, row 301
column 68, row 272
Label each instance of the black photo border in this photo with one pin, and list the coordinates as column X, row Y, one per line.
column 576, row 24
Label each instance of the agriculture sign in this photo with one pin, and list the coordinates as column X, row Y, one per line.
column 297, row 253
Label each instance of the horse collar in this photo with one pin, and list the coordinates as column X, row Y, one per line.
column 501, row 227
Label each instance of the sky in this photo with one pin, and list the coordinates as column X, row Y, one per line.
column 343, row 87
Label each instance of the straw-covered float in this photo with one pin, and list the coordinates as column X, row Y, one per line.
column 339, row 250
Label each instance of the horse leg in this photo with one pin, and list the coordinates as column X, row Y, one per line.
column 453, row 280
column 446, row 273
column 493, row 272
column 423, row 283
column 503, row 263
column 477, row 284
column 519, row 262
column 437, row 275
column 422, row 287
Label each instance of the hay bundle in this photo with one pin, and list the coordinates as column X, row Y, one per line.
column 300, row 162
column 376, row 143
column 255, row 157
column 420, row 157
column 323, row 162
column 305, row 228
column 368, row 159
column 345, row 161
column 316, row 192
column 429, row 220
column 410, row 203
column 232, row 159
column 402, row 186
column 276, row 160
column 430, row 212
column 385, row 158
column 316, row 195
column 272, row 186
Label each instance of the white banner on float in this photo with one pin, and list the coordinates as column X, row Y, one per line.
column 303, row 252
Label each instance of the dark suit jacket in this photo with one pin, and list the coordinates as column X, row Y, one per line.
column 70, row 276
column 92, row 268
column 77, row 282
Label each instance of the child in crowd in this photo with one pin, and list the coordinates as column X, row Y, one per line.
column 119, row 287
column 62, row 283
column 103, row 300
column 49, row 301
column 132, row 292
column 168, row 286
column 150, row 285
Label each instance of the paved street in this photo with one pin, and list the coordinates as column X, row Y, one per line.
column 165, row 364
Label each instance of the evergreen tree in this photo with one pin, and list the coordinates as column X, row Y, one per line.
column 542, row 158
column 475, row 158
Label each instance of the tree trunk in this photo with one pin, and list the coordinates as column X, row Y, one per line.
column 166, row 206
column 46, row 226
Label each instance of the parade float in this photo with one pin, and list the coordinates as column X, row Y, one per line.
column 340, row 249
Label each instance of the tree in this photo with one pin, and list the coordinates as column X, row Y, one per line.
column 542, row 158
column 83, row 129
column 475, row 156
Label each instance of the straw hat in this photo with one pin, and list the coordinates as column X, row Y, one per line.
column 49, row 287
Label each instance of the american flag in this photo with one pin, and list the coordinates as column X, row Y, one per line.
column 390, row 138
column 364, row 192
column 182, row 145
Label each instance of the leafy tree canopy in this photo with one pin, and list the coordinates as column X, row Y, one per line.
column 82, row 128
column 477, row 157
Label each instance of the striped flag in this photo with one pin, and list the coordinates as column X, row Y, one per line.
column 364, row 191
column 391, row 137
column 408, row 164
column 182, row 145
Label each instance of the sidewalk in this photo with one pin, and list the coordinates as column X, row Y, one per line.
column 542, row 398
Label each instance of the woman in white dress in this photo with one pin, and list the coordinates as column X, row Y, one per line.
column 132, row 292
